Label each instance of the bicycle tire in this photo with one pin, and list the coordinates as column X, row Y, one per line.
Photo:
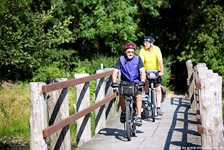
column 128, row 120
column 133, row 122
column 153, row 104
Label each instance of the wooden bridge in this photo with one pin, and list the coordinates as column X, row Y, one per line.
column 176, row 129
column 188, row 123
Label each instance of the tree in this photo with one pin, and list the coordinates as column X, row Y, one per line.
column 30, row 40
column 37, row 33
column 204, row 42
column 105, row 26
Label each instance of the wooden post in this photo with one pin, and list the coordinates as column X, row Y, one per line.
column 99, row 95
column 83, row 101
column 107, row 112
column 112, row 107
column 190, row 83
column 210, row 99
column 37, row 116
column 197, row 103
column 58, row 109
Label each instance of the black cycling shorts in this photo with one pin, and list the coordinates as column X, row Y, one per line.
column 158, row 80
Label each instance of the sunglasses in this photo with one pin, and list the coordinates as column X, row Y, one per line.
column 130, row 52
column 146, row 42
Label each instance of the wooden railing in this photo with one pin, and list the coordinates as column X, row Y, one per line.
column 53, row 98
column 207, row 98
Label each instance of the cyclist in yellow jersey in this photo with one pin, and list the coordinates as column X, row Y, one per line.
column 152, row 59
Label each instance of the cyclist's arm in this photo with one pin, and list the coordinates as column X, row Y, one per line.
column 114, row 75
column 141, row 70
column 116, row 70
column 142, row 74
column 161, row 73
column 160, row 60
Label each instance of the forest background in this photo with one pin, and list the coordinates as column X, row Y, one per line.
column 42, row 39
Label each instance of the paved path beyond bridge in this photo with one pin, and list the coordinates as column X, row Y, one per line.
column 176, row 129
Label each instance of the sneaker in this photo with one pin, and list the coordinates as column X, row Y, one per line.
column 159, row 111
column 122, row 117
column 138, row 121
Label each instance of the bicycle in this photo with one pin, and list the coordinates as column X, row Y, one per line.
column 129, row 90
column 149, row 105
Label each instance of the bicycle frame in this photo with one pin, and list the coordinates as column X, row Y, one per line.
column 129, row 90
column 152, row 76
column 152, row 100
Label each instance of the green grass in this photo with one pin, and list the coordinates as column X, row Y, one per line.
column 15, row 111
column 72, row 102
column 14, row 107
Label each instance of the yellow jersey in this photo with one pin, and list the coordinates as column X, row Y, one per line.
column 151, row 58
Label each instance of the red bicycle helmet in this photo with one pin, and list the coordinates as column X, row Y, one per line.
column 129, row 45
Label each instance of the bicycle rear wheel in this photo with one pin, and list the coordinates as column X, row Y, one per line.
column 128, row 120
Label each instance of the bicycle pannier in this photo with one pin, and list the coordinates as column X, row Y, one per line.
column 128, row 89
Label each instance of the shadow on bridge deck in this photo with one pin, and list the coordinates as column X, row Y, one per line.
column 176, row 129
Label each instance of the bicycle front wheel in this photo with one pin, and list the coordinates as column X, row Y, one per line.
column 128, row 120
column 153, row 104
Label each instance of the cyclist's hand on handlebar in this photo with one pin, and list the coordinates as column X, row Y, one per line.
column 161, row 73
column 141, row 84
column 114, row 85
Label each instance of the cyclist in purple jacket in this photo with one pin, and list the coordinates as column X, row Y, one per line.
column 132, row 70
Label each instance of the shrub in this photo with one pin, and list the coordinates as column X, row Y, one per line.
column 51, row 71
column 94, row 64
column 167, row 72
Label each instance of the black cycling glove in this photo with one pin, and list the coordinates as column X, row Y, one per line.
column 141, row 83
column 114, row 84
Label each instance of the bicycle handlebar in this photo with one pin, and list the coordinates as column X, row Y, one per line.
column 140, row 83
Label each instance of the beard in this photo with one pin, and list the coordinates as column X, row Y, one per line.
column 130, row 56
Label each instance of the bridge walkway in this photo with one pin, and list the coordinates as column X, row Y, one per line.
column 176, row 129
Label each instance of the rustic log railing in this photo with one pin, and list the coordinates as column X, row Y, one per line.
column 54, row 99
column 207, row 89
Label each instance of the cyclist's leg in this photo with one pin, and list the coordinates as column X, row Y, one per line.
column 139, row 107
column 158, row 92
column 158, row 96
column 139, row 102
column 122, row 104
column 146, row 87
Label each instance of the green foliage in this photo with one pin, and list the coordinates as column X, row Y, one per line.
column 205, row 40
column 50, row 71
column 29, row 40
column 106, row 20
column 90, row 66
column 167, row 72
column 36, row 33
column 104, row 26
column 151, row 7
